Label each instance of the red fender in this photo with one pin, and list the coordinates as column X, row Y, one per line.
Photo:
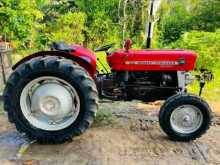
column 84, row 58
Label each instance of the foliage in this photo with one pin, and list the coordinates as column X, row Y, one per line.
column 173, row 23
column 113, row 21
column 35, row 24
column 206, row 44
column 65, row 29
column 19, row 21
column 205, row 15
column 178, row 17
column 100, row 31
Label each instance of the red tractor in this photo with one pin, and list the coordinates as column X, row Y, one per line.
column 53, row 95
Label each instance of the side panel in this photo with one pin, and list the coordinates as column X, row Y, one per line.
column 152, row 60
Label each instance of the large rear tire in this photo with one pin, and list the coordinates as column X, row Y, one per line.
column 50, row 99
column 185, row 117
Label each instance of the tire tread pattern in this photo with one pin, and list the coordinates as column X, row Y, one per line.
column 67, row 67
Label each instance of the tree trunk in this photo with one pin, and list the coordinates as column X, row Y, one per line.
column 124, row 20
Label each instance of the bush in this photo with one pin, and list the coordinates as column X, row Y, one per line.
column 20, row 21
column 178, row 17
column 69, row 28
column 104, row 117
column 206, row 44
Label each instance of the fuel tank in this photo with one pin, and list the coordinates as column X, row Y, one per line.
column 152, row 60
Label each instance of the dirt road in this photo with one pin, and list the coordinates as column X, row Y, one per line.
column 123, row 134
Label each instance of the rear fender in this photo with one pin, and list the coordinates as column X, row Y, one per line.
column 83, row 62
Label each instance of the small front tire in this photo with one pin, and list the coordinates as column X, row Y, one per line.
column 185, row 117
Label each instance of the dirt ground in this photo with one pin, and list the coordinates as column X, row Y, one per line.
column 129, row 135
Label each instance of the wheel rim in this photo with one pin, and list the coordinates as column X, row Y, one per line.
column 50, row 103
column 186, row 119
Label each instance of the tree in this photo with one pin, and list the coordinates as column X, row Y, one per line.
column 206, row 15
column 178, row 17
column 101, row 23
column 206, row 44
column 20, row 21
column 174, row 21
column 69, row 28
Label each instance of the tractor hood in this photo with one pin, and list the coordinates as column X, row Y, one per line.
column 146, row 60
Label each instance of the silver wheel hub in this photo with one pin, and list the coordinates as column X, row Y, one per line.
column 49, row 106
column 53, row 100
column 186, row 119
column 50, row 103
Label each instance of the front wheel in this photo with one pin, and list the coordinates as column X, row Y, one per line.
column 185, row 117
column 50, row 99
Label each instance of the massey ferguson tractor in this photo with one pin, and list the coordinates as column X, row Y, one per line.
column 52, row 96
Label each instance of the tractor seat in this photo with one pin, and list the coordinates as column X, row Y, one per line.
column 61, row 46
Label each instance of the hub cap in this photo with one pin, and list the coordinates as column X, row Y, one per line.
column 50, row 103
column 186, row 119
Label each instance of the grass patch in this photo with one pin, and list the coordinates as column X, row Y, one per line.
column 1, row 108
column 104, row 117
column 1, row 89
column 211, row 90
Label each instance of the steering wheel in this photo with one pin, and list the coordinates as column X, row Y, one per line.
column 104, row 48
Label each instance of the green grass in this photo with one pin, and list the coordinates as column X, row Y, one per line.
column 1, row 108
column 104, row 117
column 211, row 90
column 1, row 88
